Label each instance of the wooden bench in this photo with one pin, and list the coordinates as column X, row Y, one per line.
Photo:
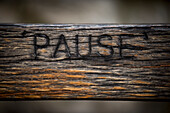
column 85, row 61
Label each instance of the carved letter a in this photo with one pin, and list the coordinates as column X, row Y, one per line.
column 67, row 50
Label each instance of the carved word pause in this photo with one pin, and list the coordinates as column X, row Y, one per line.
column 63, row 41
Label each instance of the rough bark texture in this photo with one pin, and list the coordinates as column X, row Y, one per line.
column 138, row 69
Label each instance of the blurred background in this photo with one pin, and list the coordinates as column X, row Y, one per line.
column 84, row 11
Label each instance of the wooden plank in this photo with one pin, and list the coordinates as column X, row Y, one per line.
column 88, row 61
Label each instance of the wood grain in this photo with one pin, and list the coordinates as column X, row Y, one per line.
column 138, row 68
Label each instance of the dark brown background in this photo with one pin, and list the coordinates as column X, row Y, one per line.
column 84, row 11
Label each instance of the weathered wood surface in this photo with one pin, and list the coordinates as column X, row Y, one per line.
column 93, row 62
